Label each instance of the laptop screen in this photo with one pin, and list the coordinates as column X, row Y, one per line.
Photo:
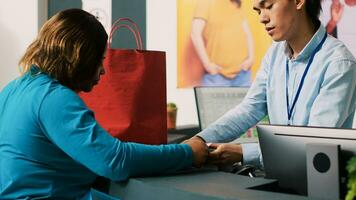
column 213, row 102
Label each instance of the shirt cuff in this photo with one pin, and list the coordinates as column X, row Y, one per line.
column 208, row 136
column 252, row 155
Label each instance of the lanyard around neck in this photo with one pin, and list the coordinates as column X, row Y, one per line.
column 290, row 110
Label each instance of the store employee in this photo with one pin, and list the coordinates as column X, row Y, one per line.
column 307, row 78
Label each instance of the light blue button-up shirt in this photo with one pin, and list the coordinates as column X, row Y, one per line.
column 327, row 97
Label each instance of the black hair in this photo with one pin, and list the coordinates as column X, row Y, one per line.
column 313, row 9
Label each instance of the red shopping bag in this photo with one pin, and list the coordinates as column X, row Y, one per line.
column 130, row 99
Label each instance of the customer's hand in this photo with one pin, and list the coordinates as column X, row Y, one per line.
column 200, row 150
column 225, row 153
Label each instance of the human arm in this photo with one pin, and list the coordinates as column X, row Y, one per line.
column 200, row 151
column 336, row 100
column 248, row 62
column 239, row 119
column 69, row 125
column 199, row 45
column 336, row 11
column 236, row 122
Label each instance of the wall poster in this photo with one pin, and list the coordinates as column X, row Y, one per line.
column 220, row 43
column 338, row 16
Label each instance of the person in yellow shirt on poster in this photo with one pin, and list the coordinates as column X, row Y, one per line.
column 223, row 41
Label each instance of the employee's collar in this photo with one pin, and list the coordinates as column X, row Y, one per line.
column 309, row 48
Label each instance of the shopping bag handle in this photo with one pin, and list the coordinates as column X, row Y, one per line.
column 132, row 26
column 138, row 44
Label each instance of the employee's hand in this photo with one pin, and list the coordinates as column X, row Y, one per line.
column 225, row 153
column 200, row 151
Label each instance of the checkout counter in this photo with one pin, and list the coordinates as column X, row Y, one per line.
column 200, row 184
column 197, row 184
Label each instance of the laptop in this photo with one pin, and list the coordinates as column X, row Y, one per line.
column 214, row 102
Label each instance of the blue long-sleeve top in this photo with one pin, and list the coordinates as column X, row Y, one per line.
column 52, row 147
